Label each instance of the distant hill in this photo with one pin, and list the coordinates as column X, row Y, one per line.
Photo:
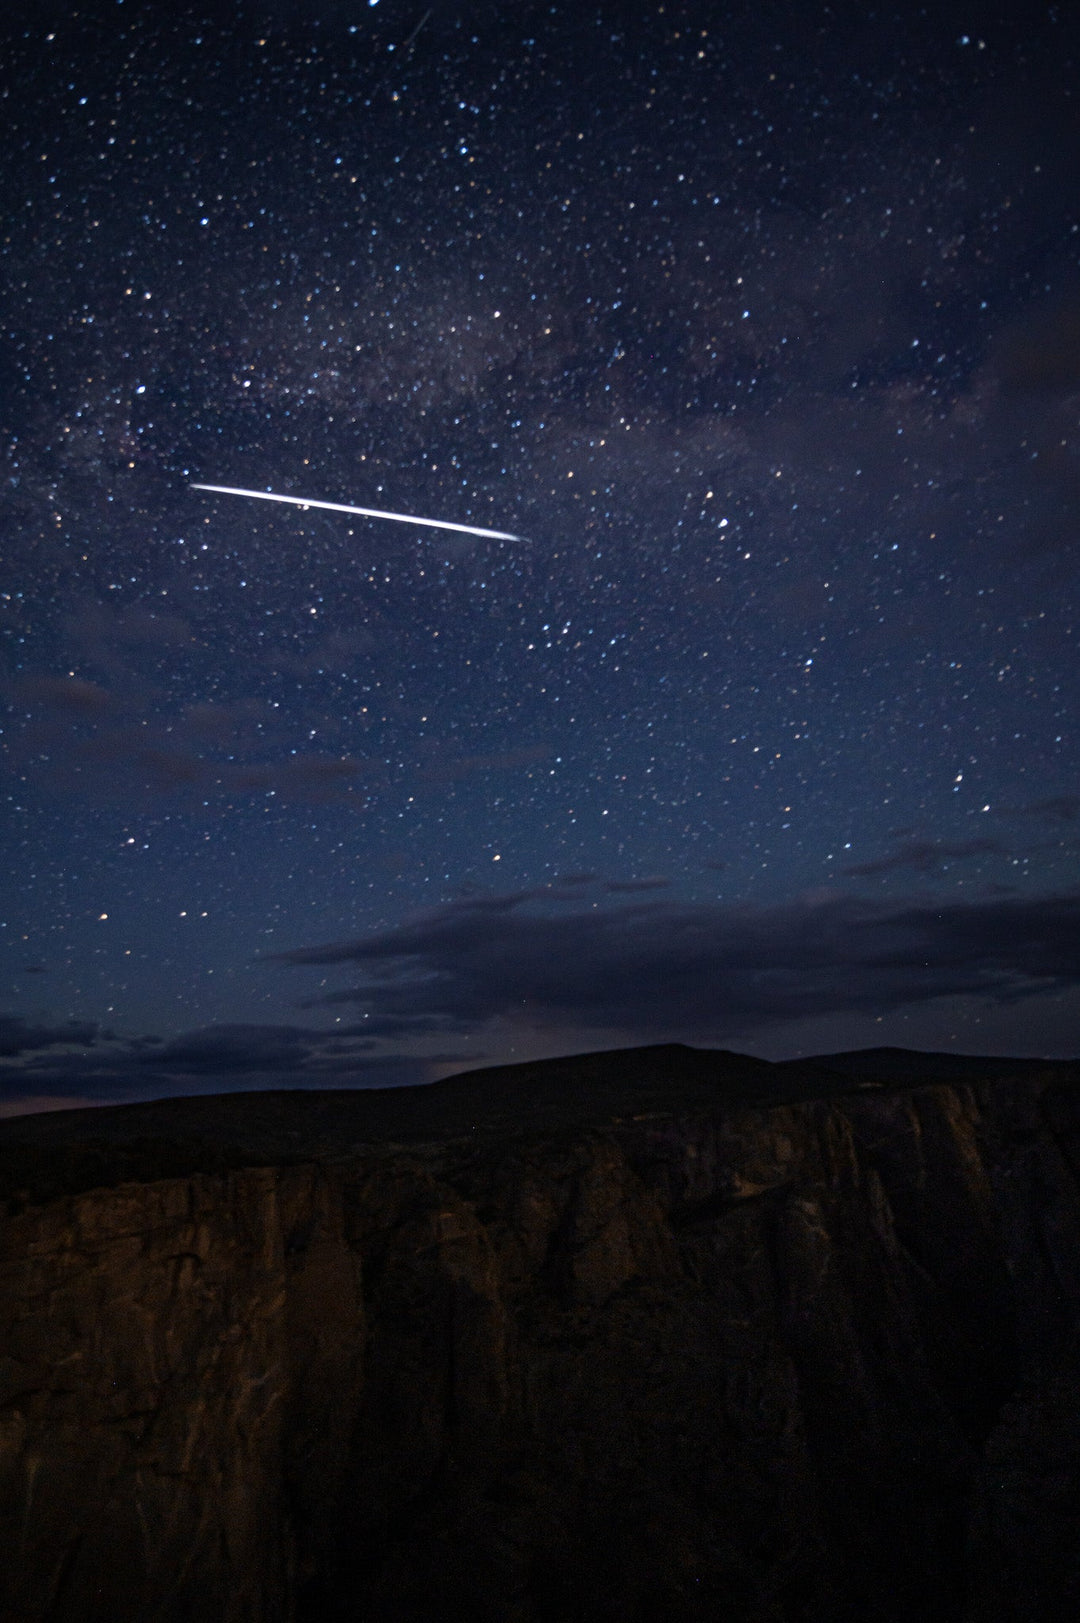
column 913, row 1064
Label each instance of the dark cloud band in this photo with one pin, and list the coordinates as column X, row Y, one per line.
column 708, row 972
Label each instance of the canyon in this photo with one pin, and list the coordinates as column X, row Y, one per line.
column 656, row 1333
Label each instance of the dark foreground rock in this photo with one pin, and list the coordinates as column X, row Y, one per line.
column 650, row 1335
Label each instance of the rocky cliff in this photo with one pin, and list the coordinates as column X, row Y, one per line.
column 659, row 1334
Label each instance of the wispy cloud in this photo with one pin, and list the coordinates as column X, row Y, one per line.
column 925, row 856
column 17, row 1036
column 1055, row 809
column 98, row 744
column 704, row 972
column 42, row 1064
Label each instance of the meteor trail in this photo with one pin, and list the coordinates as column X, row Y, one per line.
column 365, row 512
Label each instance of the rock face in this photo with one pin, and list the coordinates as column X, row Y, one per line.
column 682, row 1340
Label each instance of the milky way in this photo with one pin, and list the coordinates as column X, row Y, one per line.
column 763, row 330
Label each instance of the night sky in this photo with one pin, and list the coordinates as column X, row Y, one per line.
column 762, row 330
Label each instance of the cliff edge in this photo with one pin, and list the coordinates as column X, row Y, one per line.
column 650, row 1334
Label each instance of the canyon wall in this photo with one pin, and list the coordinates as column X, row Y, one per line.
column 809, row 1361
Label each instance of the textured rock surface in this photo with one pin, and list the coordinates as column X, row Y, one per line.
column 639, row 1345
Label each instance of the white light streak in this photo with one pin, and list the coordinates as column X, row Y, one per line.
column 365, row 512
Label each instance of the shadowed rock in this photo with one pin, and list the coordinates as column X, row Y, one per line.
column 653, row 1334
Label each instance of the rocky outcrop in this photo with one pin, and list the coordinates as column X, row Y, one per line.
column 720, row 1356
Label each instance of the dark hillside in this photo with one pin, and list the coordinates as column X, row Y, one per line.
column 641, row 1335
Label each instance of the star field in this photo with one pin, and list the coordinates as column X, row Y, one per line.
column 763, row 331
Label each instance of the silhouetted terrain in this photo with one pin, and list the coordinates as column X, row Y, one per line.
column 650, row 1334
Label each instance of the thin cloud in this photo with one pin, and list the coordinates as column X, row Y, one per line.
column 1055, row 808
column 211, row 1059
column 925, row 856
column 224, row 1048
column 132, row 759
column 68, row 696
column 106, row 636
column 17, row 1037
column 82, row 739
column 703, row 972
column 627, row 887
column 467, row 766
